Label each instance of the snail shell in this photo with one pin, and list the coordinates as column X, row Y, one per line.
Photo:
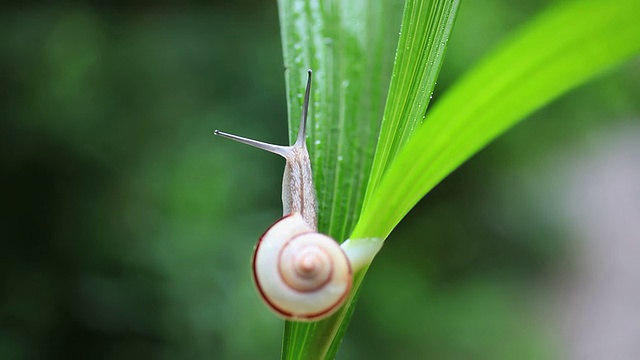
column 300, row 274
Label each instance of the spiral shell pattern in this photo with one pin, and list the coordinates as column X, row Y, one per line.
column 301, row 274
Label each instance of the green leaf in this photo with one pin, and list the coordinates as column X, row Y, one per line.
column 557, row 51
column 345, row 43
column 426, row 28
column 350, row 47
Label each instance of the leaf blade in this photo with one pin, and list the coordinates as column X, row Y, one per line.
column 432, row 37
column 486, row 102
column 350, row 49
column 419, row 57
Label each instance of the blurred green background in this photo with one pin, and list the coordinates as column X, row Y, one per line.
column 128, row 228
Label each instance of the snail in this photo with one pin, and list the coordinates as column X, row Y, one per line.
column 300, row 274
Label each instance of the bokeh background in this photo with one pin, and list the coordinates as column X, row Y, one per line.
column 127, row 228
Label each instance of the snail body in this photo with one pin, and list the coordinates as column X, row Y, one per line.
column 298, row 192
column 299, row 273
